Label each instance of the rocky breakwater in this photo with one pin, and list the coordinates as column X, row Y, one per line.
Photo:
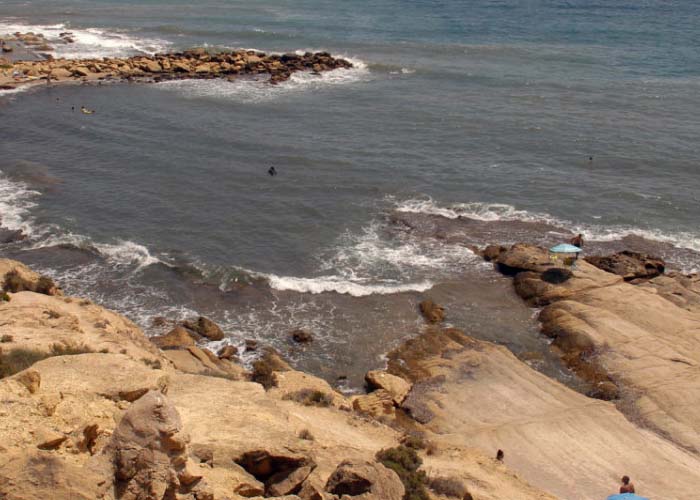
column 190, row 64
column 92, row 409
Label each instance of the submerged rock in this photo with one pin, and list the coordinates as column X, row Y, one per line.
column 432, row 312
column 301, row 336
column 205, row 327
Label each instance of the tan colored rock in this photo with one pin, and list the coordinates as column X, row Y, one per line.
column 202, row 361
column 118, row 377
column 81, row 71
column 178, row 337
column 30, row 379
column 379, row 403
column 151, row 66
column 150, row 449
column 227, row 352
column 16, row 277
column 482, row 396
column 205, row 327
column 396, row 386
column 367, row 480
column 289, row 384
column 288, row 483
column 432, row 312
column 180, row 67
column 61, row 73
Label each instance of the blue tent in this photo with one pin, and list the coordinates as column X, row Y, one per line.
column 565, row 248
column 626, row 496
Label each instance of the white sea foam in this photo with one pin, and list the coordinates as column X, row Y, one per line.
column 340, row 285
column 127, row 253
column 16, row 201
column 9, row 92
column 488, row 212
column 88, row 42
column 251, row 90
column 493, row 212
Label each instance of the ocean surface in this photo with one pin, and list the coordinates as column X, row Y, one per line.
column 461, row 124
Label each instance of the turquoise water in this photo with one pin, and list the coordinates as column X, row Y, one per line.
column 160, row 203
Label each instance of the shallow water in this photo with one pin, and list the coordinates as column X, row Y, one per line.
column 159, row 204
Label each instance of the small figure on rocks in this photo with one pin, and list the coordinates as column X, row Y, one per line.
column 500, row 455
column 626, row 487
column 272, row 171
column 577, row 240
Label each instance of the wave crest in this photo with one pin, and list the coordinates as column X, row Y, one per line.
column 88, row 42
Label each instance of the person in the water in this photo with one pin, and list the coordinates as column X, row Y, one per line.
column 272, row 171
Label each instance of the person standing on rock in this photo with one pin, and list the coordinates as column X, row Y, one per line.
column 626, row 487
column 577, row 240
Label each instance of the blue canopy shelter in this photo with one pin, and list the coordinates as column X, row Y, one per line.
column 570, row 254
column 565, row 248
column 626, row 496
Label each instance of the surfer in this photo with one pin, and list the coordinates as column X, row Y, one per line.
column 272, row 171
column 86, row 111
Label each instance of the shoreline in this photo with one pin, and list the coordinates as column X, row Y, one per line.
column 463, row 396
column 92, row 403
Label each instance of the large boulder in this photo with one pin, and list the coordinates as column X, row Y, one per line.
column 205, row 327
column 396, row 386
column 150, row 451
column 176, row 338
column 366, row 480
column 630, row 265
column 523, row 257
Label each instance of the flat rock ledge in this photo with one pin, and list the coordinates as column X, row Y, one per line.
column 190, row 64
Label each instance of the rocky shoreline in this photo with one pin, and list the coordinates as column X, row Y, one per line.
column 196, row 63
column 116, row 415
column 91, row 408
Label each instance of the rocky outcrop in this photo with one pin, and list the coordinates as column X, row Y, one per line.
column 629, row 265
column 150, row 452
column 480, row 395
column 366, row 480
column 631, row 332
column 16, row 277
column 397, row 387
column 176, row 338
column 105, row 414
column 191, row 64
column 204, row 327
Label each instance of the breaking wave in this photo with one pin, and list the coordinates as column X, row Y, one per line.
column 494, row 212
column 88, row 42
